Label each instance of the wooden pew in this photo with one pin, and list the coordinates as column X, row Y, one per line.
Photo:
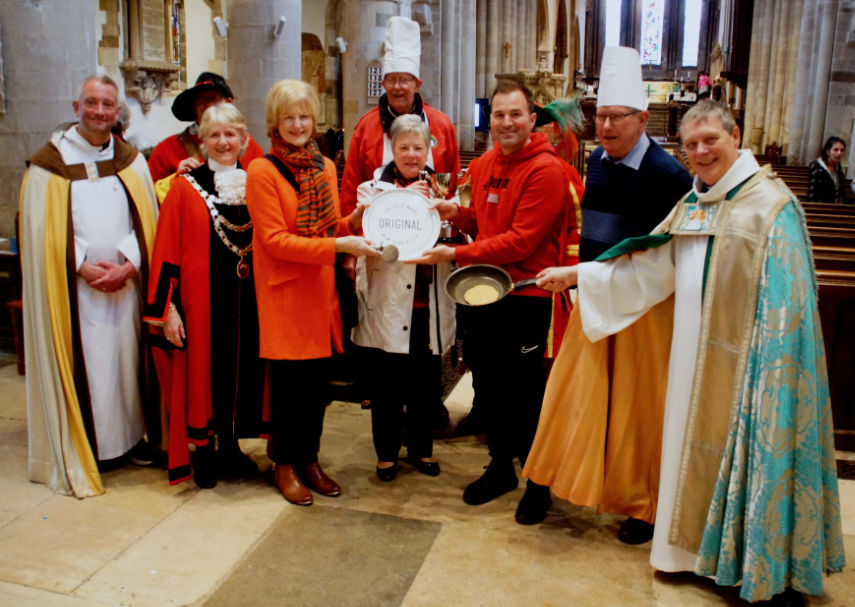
column 837, row 315
column 824, row 208
column 832, row 232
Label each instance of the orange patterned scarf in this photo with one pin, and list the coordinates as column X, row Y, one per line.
column 316, row 212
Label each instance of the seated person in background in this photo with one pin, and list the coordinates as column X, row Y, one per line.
column 826, row 181
column 404, row 320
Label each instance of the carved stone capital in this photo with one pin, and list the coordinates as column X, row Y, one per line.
column 544, row 85
column 145, row 81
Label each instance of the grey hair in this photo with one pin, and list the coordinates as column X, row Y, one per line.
column 409, row 123
column 103, row 79
column 703, row 110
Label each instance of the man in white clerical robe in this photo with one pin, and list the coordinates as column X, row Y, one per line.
column 748, row 485
column 88, row 215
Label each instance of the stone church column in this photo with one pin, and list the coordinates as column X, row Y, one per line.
column 840, row 112
column 508, row 27
column 494, row 45
column 770, row 75
column 257, row 59
column 450, row 60
column 758, row 76
column 520, row 41
column 458, row 68
column 480, row 49
column 815, row 52
column 531, row 34
column 48, row 49
column 466, row 71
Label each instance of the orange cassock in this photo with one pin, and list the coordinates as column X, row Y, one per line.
column 298, row 311
column 599, row 438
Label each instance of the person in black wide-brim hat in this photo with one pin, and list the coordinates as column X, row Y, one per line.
column 180, row 153
column 209, row 86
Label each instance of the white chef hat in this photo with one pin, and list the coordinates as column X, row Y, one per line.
column 403, row 46
column 620, row 78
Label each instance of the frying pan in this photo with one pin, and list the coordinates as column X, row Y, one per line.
column 461, row 280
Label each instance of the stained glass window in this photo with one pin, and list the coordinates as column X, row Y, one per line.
column 651, row 31
column 175, row 36
column 691, row 32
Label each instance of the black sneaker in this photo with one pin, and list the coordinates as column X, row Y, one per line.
column 499, row 478
column 635, row 531
column 533, row 505
column 143, row 454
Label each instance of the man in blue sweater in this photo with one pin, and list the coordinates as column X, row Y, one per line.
column 631, row 185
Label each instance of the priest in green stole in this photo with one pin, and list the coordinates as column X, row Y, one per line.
column 748, row 486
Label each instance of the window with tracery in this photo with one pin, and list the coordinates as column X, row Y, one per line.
column 691, row 32
column 672, row 36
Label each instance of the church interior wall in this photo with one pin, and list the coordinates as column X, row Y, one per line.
column 314, row 17
column 201, row 51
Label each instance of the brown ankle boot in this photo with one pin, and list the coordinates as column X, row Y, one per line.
column 286, row 479
column 314, row 476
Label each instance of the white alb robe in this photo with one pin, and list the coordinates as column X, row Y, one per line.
column 109, row 322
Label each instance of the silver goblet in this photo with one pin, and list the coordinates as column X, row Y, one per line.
column 442, row 185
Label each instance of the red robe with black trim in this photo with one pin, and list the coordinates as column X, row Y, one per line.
column 181, row 274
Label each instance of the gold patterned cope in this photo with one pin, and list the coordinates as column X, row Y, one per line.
column 741, row 228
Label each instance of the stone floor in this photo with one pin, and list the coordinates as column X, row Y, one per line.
column 412, row 542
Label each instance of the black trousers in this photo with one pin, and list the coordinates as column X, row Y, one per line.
column 508, row 340
column 411, row 381
column 298, row 399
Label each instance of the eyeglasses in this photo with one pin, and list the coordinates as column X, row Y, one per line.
column 402, row 80
column 615, row 118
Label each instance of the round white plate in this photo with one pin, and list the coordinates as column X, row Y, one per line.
column 401, row 217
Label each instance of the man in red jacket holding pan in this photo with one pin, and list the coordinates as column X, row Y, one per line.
column 518, row 209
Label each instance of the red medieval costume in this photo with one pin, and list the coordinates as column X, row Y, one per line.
column 202, row 264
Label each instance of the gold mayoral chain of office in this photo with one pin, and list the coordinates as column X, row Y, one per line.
column 231, row 187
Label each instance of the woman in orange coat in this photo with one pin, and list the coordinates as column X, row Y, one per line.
column 297, row 230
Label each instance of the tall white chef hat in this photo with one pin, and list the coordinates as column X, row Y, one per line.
column 620, row 78
column 403, row 46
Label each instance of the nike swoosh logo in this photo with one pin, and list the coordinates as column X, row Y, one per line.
column 527, row 350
